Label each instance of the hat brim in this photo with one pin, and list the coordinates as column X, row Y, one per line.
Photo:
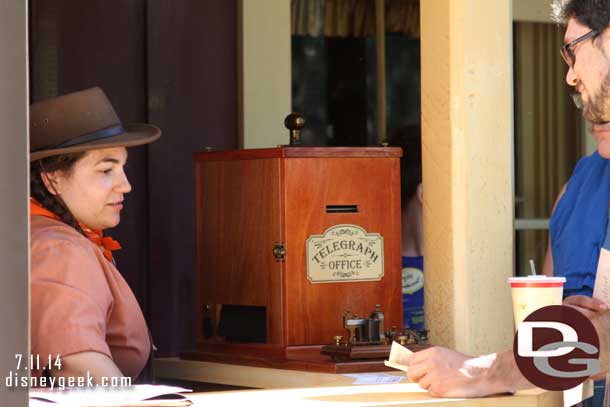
column 136, row 134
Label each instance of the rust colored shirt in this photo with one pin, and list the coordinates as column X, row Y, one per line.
column 80, row 302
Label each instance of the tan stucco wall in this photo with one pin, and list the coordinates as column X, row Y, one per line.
column 467, row 158
column 264, row 77
column 538, row 11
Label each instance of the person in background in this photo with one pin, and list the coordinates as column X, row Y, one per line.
column 411, row 198
column 82, row 312
column 579, row 224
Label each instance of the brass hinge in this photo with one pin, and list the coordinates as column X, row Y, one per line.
column 279, row 252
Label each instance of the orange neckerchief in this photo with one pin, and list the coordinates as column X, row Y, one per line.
column 106, row 243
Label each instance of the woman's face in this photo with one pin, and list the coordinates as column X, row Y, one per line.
column 93, row 190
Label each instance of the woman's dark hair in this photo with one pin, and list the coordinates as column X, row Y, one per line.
column 595, row 14
column 39, row 191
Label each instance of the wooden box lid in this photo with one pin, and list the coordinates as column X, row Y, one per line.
column 300, row 152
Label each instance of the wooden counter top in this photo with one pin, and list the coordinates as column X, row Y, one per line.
column 247, row 376
column 407, row 394
column 297, row 388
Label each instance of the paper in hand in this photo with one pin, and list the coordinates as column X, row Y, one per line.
column 396, row 366
column 398, row 353
column 601, row 290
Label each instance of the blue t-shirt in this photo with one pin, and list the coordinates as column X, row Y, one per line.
column 578, row 225
column 413, row 292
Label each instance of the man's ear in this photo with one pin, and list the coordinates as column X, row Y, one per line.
column 51, row 181
column 420, row 193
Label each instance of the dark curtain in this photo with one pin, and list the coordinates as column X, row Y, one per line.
column 172, row 64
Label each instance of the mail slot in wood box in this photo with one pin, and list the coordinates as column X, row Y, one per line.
column 289, row 238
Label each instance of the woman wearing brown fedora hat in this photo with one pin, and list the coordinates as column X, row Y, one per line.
column 82, row 310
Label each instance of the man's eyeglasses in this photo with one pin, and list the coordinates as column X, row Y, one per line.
column 566, row 50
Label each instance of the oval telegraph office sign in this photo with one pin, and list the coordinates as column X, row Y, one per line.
column 344, row 253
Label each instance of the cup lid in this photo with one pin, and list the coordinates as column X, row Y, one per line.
column 537, row 280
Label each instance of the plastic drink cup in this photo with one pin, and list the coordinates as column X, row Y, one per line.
column 533, row 292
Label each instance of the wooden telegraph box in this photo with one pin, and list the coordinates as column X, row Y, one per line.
column 289, row 239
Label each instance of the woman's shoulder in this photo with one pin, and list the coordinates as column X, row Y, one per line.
column 58, row 252
column 45, row 232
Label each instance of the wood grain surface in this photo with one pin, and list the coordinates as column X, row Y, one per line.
column 287, row 151
column 246, row 204
column 314, row 311
column 238, row 222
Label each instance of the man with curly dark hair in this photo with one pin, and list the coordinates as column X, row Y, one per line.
column 579, row 222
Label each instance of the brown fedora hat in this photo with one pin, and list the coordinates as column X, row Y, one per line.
column 82, row 121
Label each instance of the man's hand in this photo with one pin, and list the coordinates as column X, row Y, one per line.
column 601, row 322
column 597, row 311
column 438, row 371
column 587, row 305
column 447, row 373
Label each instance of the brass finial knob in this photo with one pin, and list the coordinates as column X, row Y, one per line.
column 294, row 122
column 402, row 339
column 338, row 339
